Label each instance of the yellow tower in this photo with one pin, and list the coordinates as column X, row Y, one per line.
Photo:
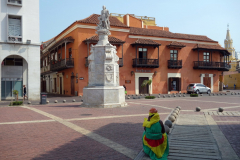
column 228, row 45
column 232, row 76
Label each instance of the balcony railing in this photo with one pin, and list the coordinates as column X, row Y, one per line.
column 15, row 39
column 45, row 69
column 175, row 64
column 15, row 2
column 151, row 63
column 120, row 62
column 60, row 65
column 221, row 66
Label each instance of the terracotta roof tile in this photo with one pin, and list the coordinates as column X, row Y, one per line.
column 147, row 42
column 167, row 34
column 94, row 19
column 205, row 46
column 176, row 44
column 45, row 44
column 210, row 47
column 111, row 39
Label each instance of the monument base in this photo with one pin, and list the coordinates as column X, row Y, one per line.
column 103, row 97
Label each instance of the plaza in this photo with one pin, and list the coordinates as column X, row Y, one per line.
column 68, row 131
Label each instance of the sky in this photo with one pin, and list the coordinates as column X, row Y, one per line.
column 199, row 17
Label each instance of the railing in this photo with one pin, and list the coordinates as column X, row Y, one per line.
column 60, row 65
column 45, row 69
column 14, row 2
column 221, row 66
column 15, row 39
column 174, row 63
column 140, row 62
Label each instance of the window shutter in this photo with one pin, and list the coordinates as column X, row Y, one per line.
column 14, row 28
column 169, row 84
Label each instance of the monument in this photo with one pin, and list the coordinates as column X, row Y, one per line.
column 103, row 90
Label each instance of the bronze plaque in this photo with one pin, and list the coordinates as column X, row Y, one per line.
column 206, row 75
column 128, row 81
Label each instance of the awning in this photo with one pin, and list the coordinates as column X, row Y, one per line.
column 146, row 42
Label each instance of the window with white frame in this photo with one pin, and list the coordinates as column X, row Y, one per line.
column 15, row 2
column 206, row 56
column 14, row 28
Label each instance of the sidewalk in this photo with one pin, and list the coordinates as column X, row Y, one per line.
column 67, row 131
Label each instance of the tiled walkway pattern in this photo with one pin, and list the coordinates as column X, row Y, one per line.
column 67, row 131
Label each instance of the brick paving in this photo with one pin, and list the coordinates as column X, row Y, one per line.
column 231, row 130
column 13, row 114
column 52, row 140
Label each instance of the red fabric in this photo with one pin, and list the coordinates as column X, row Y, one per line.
column 154, row 143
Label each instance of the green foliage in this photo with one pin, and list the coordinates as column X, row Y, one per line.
column 16, row 103
column 146, row 82
column 149, row 97
column 15, row 92
column 193, row 95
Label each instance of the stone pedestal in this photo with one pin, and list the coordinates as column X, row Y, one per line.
column 103, row 90
column 104, row 97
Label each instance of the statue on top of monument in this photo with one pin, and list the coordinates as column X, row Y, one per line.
column 104, row 22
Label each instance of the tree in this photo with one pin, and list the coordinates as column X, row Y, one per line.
column 146, row 82
column 15, row 92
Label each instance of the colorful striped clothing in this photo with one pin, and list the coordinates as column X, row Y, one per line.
column 155, row 144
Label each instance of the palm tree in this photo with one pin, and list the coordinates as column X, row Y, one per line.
column 146, row 82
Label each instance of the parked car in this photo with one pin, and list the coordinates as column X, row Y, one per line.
column 198, row 88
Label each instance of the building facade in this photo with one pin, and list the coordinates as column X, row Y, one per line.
column 233, row 75
column 145, row 51
column 19, row 48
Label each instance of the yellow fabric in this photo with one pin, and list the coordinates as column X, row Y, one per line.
column 159, row 150
column 153, row 120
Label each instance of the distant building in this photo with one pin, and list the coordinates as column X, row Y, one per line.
column 19, row 48
column 228, row 43
column 232, row 76
column 237, row 55
column 145, row 51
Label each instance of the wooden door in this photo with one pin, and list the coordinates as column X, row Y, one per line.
column 207, row 81
column 143, row 90
column 72, row 85
column 60, row 85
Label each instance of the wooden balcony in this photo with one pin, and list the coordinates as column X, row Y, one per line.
column 45, row 69
column 174, row 64
column 220, row 66
column 120, row 62
column 147, row 63
column 61, row 65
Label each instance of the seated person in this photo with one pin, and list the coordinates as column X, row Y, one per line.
column 155, row 140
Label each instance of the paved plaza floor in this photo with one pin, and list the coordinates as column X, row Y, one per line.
column 67, row 131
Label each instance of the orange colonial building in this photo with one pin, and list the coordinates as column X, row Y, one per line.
column 146, row 51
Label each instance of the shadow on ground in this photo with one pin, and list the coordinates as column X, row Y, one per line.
column 127, row 134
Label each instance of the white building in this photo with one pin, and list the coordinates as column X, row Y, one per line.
column 19, row 48
column 237, row 55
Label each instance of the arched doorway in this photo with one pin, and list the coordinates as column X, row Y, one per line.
column 13, row 76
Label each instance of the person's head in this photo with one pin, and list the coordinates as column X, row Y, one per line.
column 153, row 115
column 24, row 86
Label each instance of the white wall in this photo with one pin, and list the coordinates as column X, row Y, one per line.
column 29, row 12
column 30, row 19
column 31, row 65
